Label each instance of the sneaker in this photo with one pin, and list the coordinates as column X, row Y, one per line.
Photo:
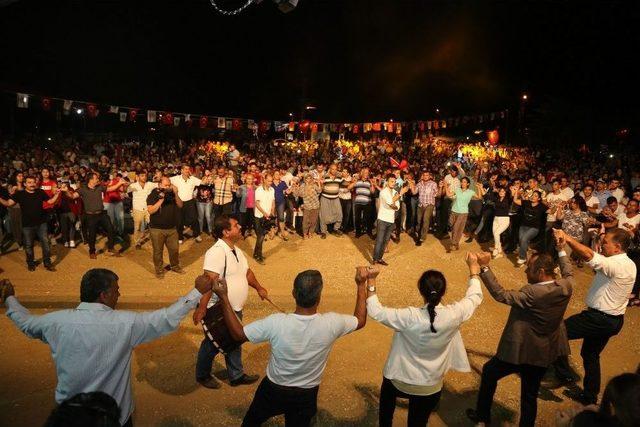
column 244, row 379
column 323, row 235
column 159, row 274
column 497, row 255
column 180, row 242
column 473, row 416
column 66, row 244
column 210, row 382
column 198, row 239
column 338, row 233
column 114, row 253
column 521, row 261
column 72, row 244
column 138, row 246
column 469, row 239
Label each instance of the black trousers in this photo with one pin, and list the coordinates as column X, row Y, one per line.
column 93, row 221
column 188, row 217
column 298, row 405
column 596, row 328
column 443, row 216
column 530, row 378
column 129, row 422
column 260, row 233
column 222, row 209
column 514, row 233
column 246, row 221
column 420, row 407
column 347, row 223
column 363, row 218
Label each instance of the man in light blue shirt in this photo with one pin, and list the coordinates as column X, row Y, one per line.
column 92, row 344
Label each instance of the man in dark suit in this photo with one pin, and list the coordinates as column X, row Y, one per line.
column 533, row 336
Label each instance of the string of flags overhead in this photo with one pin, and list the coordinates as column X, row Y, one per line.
column 168, row 118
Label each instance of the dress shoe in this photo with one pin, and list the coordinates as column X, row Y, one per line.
column 554, row 382
column 473, row 416
column 31, row 268
column 244, row 379
column 210, row 382
column 580, row 397
column 178, row 270
column 338, row 233
column 159, row 274
column 419, row 243
column 50, row 267
column 381, row 262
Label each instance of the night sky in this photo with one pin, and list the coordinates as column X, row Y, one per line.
column 355, row 60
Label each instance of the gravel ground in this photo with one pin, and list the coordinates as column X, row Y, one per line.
column 166, row 393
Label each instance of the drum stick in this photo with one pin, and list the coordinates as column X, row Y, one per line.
column 274, row 305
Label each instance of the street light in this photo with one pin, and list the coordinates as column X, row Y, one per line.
column 310, row 107
column 525, row 97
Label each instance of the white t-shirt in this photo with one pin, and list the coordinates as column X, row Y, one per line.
column 553, row 200
column 624, row 219
column 236, row 274
column 300, row 344
column 592, row 201
column 610, row 288
column 568, row 192
column 618, row 193
column 139, row 194
column 265, row 198
column 385, row 212
column 185, row 188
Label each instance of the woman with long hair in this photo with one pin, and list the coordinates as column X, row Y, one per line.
column 460, row 208
column 426, row 344
column 501, row 219
column 533, row 214
column 575, row 220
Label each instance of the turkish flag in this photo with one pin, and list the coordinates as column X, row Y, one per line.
column 46, row 104
column 203, row 122
column 132, row 115
column 376, row 127
column 237, row 124
column 92, row 110
column 167, row 119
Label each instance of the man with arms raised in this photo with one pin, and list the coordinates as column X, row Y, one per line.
column 92, row 344
column 300, row 345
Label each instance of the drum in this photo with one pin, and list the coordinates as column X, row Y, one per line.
column 215, row 329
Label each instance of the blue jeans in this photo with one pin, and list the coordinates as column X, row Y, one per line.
column 384, row 234
column 205, row 212
column 28, row 237
column 208, row 352
column 525, row 235
column 115, row 211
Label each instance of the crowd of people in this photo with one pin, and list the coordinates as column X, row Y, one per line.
column 553, row 208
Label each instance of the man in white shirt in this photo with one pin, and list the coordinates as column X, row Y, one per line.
column 140, row 190
column 300, row 345
column 606, row 304
column 565, row 188
column 593, row 204
column 225, row 260
column 93, row 343
column 629, row 219
column 186, row 184
column 616, row 190
column 389, row 204
column 265, row 208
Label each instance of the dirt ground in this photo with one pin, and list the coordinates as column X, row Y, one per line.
column 165, row 390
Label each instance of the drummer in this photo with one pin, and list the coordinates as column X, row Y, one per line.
column 225, row 259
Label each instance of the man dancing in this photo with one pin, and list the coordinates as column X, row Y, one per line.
column 300, row 345
column 225, row 260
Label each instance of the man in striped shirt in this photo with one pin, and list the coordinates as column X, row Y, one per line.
column 223, row 194
column 330, row 208
column 363, row 206
column 427, row 190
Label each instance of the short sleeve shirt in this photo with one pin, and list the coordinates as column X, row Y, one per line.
column 264, row 198
column 300, row 345
column 236, row 272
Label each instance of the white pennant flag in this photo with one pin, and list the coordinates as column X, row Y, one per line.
column 23, row 100
column 176, row 121
column 123, row 117
column 114, row 109
column 222, row 123
column 151, row 116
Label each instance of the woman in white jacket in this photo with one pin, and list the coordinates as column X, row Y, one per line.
column 426, row 344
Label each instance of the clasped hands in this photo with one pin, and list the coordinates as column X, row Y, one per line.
column 364, row 274
column 477, row 260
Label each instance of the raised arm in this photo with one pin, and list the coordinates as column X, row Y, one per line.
column 397, row 319
column 578, row 248
column 151, row 325
column 517, row 298
column 30, row 325
column 360, row 311
column 230, row 319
